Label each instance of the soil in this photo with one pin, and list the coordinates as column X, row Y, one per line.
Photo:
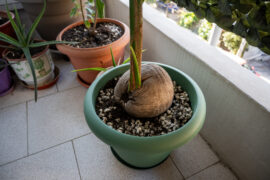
column 112, row 113
column 3, row 20
column 106, row 33
column 18, row 53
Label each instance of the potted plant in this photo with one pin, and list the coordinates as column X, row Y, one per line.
column 6, row 83
column 30, row 59
column 5, row 27
column 55, row 18
column 141, row 113
column 96, row 35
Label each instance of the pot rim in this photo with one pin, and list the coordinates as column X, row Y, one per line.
column 8, row 22
column 196, row 121
column 4, row 53
column 121, row 24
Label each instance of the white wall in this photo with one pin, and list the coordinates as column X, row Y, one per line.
column 238, row 103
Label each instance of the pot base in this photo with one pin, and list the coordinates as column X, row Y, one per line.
column 9, row 90
column 134, row 167
column 82, row 82
column 47, row 85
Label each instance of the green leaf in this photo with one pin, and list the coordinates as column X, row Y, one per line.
column 7, row 47
column 90, row 69
column 87, row 24
column 35, row 24
column 113, row 60
column 27, row 54
column 19, row 35
column 100, row 8
column 136, row 70
column 90, row 11
column 224, row 6
column 45, row 43
column 18, row 20
column 10, row 40
column 73, row 11
column 126, row 61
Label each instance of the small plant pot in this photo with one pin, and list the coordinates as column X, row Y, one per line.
column 6, row 82
column 94, row 57
column 7, row 29
column 145, row 152
column 43, row 64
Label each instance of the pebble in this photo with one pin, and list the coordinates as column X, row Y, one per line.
column 174, row 118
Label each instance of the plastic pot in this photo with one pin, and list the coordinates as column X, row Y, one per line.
column 94, row 57
column 145, row 152
column 43, row 64
column 5, row 79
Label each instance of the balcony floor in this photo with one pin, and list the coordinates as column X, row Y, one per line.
column 50, row 139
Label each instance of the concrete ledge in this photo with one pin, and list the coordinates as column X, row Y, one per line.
column 238, row 102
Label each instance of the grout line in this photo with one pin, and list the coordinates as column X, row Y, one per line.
column 44, row 150
column 177, row 167
column 11, row 105
column 56, row 85
column 32, row 99
column 203, row 169
column 219, row 157
column 13, row 161
column 60, row 144
column 55, row 93
column 27, row 131
column 76, row 159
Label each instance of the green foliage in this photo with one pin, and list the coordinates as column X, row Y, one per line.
column 249, row 19
column 150, row 1
column 24, row 39
column 231, row 41
column 188, row 19
column 136, row 68
column 93, row 9
column 205, row 29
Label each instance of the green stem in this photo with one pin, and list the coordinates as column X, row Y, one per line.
column 136, row 35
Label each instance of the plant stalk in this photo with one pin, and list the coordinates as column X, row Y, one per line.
column 82, row 11
column 95, row 20
column 136, row 36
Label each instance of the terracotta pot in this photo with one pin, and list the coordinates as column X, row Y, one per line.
column 6, row 28
column 55, row 18
column 94, row 57
column 43, row 64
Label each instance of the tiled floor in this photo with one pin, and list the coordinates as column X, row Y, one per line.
column 50, row 139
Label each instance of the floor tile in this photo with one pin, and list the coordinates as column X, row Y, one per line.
column 56, row 163
column 67, row 78
column 97, row 162
column 215, row 172
column 13, row 133
column 193, row 156
column 56, row 119
column 22, row 94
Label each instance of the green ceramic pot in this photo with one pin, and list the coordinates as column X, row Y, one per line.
column 145, row 152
